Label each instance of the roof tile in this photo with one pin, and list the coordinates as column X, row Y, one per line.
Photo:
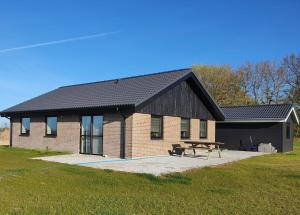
column 275, row 111
column 125, row 91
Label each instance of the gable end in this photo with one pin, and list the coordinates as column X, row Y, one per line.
column 183, row 99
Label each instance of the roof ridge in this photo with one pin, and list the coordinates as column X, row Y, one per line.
column 136, row 76
column 236, row 106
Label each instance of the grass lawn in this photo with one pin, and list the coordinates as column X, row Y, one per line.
column 260, row 185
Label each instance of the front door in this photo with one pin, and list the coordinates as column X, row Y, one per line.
column 91, row 138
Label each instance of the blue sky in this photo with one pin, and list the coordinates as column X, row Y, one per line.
column 151, row 36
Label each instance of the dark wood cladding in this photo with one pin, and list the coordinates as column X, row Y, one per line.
column 232, row 134
column 180, row 100
column 288, row 142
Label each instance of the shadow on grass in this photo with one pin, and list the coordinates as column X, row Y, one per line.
column 77, row 170
column 108, row 170
column 293, row 176
column 160, row 180
column 290, row 154
column 14, row 172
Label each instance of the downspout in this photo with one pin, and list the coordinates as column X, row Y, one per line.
column 123, row 139
column 10, row 132
column 122, row 135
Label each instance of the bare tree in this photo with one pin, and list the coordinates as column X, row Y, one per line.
column 273, row 82
column 245, row 75
column 250, row 81
column 291, row 65
column 264, row 82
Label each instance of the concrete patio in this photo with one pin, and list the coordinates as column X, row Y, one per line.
column 153, row 165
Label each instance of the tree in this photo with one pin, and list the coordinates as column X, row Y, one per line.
column 223, row 84
column 250, row 81
column 264, row 82
column 291, row 65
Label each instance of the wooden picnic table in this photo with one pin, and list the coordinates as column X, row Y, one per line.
column 200, row 144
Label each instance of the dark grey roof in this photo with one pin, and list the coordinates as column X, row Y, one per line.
column 257, row 112
column 131, row 91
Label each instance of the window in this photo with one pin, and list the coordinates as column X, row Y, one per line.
column 51, row 126
column 156, row 127
column 288, row 131
column 185, row 128
column 25, row 126
column 203, row 129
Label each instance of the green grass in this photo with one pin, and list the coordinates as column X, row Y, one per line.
column 261, row 185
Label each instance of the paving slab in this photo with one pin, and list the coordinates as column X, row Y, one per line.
column 156, row 165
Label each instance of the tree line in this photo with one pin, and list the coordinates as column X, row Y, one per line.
column 265, row 82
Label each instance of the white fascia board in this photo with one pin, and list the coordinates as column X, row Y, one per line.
column 295, row 114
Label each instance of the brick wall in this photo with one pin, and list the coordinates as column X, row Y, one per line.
column 112, row 135
column 128, row 136
column 68, row 134
column 211, row 128
column 137, row 135
column 142, row 145
column 68, row 131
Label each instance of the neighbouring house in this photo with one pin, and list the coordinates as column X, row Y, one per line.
column 245, row 127
column 4, row 136
column 128, row 117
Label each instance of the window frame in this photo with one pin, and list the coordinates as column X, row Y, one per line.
column 46, row 123
column 91, row 134
column 206, row 133
column 21, row 123
column 189, row 131
column 161, row 126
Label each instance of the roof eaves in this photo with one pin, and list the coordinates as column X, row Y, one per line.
column 8, row 113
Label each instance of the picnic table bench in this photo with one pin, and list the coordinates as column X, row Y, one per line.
column 198, row 144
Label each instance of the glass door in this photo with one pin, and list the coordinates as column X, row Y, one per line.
column 91, row 135
column 97, row 135
column 86, row 132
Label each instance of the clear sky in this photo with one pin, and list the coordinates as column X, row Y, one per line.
column 148, row 36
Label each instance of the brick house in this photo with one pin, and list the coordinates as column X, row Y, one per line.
column 128, row 117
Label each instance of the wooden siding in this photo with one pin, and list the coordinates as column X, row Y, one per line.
column 288, row 143
column 232, row 134
column 181, row 100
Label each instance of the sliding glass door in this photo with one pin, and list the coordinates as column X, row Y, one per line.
column 91, row 135
column 97, row 135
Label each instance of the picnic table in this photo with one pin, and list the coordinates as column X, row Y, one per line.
column 199, row 144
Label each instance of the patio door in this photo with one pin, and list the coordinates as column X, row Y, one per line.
column 91, row 137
